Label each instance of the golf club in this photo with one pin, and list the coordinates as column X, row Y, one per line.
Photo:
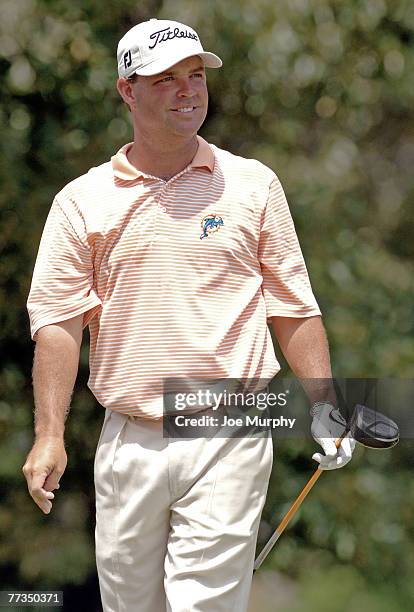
column 368, row 427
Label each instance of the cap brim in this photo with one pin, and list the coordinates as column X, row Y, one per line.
column 210, row 61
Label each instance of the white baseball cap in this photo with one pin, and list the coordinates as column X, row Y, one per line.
column 155, row 45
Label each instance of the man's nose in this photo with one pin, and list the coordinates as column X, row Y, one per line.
column 185, row 88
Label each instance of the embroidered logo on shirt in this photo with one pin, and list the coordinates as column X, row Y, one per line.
column 210, row 224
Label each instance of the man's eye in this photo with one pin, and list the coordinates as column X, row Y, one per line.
column 167, row 78
column 198, row 74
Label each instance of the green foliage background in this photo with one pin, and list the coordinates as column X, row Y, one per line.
column 322, row 91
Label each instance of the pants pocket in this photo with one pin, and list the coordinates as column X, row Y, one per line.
column 107, row 416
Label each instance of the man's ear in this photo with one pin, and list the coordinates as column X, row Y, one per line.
column 125, row 90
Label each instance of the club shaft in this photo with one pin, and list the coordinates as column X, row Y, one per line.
column 286, row 519
column 266, row 549
column 289, row 515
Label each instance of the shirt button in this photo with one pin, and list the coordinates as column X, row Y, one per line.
column 163, row 209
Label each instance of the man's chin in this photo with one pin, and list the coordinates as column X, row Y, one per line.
column 186, row 131
column 187, row 126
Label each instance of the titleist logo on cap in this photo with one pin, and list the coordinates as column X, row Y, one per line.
column 168, row 34
column 145, row 50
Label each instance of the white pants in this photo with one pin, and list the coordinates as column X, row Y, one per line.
column 176, row 519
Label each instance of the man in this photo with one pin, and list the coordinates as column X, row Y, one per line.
column 176, row 254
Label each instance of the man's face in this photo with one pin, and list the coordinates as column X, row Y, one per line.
column 173, row 102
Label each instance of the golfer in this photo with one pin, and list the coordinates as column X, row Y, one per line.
column 177, row 254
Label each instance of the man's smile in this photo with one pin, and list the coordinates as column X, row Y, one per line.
column 184, row 109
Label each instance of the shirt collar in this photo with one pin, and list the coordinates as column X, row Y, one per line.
column 123, row 169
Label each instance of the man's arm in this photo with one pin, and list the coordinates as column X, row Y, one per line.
column 55, row 368
column 304, row 344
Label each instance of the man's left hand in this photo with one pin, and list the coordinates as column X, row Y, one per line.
column 327, row 426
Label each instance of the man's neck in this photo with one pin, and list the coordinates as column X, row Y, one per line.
column 163, row 161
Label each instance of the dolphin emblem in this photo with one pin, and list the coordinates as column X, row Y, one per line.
column 210, row 223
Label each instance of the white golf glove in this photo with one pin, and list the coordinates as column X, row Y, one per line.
column 327, row 426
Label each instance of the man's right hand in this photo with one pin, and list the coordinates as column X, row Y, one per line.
column 43, row 469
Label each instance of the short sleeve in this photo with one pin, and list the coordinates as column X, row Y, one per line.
column 286, row 286
column 63, row 281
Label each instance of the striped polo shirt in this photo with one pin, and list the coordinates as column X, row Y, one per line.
column 176, row 279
